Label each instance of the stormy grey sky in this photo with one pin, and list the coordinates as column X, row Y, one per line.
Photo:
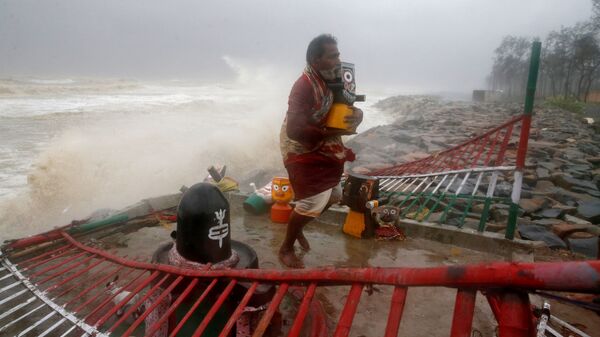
column 422, row 44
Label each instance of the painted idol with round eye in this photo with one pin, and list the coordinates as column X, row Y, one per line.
column 281, row 190
column 386, row 215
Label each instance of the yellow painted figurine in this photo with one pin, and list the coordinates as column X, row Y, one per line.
column 281, row 190
column 282, row 194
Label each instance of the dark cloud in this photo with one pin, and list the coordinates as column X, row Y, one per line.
column 440, row 45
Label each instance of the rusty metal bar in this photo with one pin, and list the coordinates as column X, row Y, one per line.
column 239, row 310
column 172, row 308
column 140, row 286
column 147, row 312
column 485, row 141
column 61, row 263
column 302, row 311
column 467, row 150
column 41, row 256
column 561, row 276
column 446, row 153
column 193, row 308
column 515, row 316
column 273, row 306
column 464, row 307
column 215, row 307
column 128, row 298
column 396, row 310
column 92, row 287
column 492, row 149
column 64, row 270
column 345, row 321
column 70, row 278
column 51, row 258
column 500, row 156
column 142, row 300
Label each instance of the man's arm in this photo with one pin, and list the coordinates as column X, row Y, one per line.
column 299, row 126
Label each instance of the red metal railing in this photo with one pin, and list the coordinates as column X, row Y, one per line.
column 487, row 149
column 505, row 286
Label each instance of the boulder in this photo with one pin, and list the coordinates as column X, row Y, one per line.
column 564, row 230
column 587, row 246
column 544, row 187
column 499, row 215
column 542, row 173
column 569, row 182
column 548, row 222
column 548, row 213
column 589, row 210
column 540, row 233
column 594, row 160
column 548, row 166
column 576, row 220
column 594, row 193
column 532, row 205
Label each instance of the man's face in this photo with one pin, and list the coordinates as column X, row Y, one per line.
column 330, row 58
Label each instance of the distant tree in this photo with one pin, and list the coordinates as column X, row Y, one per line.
column 570, row 65
column 596, row 14
column 555, row 61
column 587, row 63
column 509, row 72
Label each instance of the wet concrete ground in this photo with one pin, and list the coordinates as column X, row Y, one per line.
column 428, row 311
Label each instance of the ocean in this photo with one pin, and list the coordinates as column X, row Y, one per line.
column 69, row 147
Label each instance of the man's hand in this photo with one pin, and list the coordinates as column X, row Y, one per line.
column 355, row 119
column 337, row 132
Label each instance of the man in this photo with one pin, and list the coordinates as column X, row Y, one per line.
column 313, row 155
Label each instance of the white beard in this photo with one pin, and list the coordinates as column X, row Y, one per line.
column 328, row 75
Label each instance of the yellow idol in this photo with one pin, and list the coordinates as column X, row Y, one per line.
column 281, row 190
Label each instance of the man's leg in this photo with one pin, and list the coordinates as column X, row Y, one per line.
column 334, row 198
column 302, row 239
column 306, row 210
column 294, row 231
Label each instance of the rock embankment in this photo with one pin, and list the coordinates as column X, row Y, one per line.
column 560, row 201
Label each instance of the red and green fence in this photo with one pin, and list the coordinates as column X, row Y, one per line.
column 460, row 185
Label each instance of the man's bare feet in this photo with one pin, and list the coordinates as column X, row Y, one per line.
column 289, row 259
column 303, row 242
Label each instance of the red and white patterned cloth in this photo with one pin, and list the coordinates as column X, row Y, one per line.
column 314, row 160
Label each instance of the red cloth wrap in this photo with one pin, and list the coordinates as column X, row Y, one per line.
column 316, row 163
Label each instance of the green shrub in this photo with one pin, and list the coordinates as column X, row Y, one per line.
column 566, row 103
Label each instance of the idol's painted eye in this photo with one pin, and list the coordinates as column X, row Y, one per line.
column 385, row 211
column 276, row 187
column 393, row 212
column 285, row 188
